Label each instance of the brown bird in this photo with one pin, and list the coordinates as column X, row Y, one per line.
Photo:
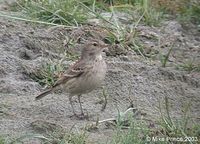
column 84, row 76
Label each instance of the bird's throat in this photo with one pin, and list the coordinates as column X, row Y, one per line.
column 99, row 57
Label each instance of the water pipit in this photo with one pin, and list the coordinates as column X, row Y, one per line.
column 84, row 76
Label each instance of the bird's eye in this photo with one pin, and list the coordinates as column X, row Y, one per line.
column 94, row 44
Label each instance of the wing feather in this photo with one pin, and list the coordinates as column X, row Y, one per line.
column 75, row 70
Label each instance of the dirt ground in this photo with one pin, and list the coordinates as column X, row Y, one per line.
column 24, row 47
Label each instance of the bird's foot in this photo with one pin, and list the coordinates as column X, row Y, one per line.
column 81, row 116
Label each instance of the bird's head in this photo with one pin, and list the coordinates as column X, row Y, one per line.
column 93, row 49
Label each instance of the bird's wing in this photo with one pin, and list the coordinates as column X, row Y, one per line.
column 74, row 71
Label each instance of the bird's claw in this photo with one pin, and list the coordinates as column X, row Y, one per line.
column 81, row 116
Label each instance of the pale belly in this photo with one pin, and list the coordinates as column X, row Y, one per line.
column 85, row 83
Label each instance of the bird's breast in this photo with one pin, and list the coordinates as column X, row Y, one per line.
column 97, row 75
column 89, row 80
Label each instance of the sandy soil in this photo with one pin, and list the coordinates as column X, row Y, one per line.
column 25, row 47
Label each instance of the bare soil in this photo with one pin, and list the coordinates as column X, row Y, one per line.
column 131, row 79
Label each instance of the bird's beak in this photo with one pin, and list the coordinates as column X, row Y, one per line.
column 105, row 50
column 105, row 47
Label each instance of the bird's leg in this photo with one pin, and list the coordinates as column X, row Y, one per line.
column 79, row 100
column 71, row 103
column 82, row 116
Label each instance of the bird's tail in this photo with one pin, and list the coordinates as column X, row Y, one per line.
column 43, row 94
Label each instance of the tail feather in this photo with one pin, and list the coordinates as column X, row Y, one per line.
column 43, row 94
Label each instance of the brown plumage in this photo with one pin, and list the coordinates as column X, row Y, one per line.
column 85, row 75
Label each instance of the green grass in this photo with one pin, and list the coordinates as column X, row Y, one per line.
column 2, row 140
column 190, row 13
column 74, row 13
column 151, row 17
column 126, row 37
column 49, row 73
column 66, row 138
column 189, row 66
column 165, row 58
column 138, row 8
column 141, row 131
column 136, row 133
column 178, row 127
column 62, row 12
column 51, row 70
